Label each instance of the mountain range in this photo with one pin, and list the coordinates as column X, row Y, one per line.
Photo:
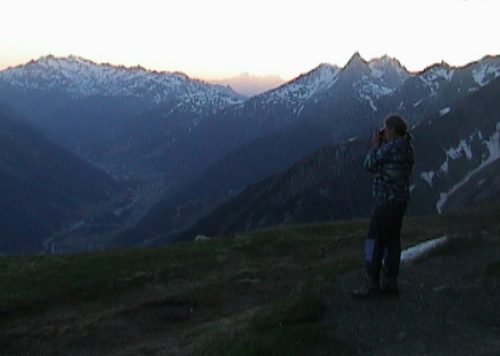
column 457, row 152
column 327, row 114
column 100, row 110
column 183, row 147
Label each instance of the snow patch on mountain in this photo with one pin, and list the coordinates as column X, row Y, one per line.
column 462, row 148
column 370, row 101
column 380, row 77
column 386, row 67
column 372, row 88
column 433, row 77
column 377, row 73
column 493, row 148
column 417, row 103
column 485, row 73
column 368, row 86
column 299, row 110
column 444, row 111
column 454, row 153
column 444, row 166
column 304, row 87
column 427, row 176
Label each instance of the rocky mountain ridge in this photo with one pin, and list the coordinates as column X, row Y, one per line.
column 337, row 110
column 79, row 77
column 196, row 149
column 457, row 151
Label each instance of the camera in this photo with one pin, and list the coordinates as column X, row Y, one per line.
column 381, row 135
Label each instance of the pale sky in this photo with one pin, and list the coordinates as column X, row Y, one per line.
column 221, row 38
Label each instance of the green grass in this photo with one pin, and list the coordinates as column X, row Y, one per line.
column 293, row 325
column 290, row 327
column 223, row 279
column 50, row 280
column 260, row 293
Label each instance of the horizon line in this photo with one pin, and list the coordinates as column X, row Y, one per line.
column 214, row 78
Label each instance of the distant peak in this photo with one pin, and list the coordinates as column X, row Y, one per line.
column 49, row 57
column 356, row 59
column 437, row 66
column 75, row 62
column 445, row 64
column 356, row 55
column 70, row 58
column 386, row 60
column 321, row 70
column 326, row 66
column 43, row 59
column 489, row 57
column 46, row 57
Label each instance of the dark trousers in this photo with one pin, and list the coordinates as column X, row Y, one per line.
column 383, row 242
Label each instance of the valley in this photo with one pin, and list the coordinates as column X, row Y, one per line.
column 181, row 150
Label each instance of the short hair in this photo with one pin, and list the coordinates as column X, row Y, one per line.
column 397, row 123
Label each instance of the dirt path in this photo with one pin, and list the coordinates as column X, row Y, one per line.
column 449, row 305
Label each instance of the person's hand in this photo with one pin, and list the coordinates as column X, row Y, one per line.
column 376, row 140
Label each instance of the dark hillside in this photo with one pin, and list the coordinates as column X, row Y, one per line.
column 42, row 185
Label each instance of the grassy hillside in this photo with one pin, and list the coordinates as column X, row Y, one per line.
column 257, row 294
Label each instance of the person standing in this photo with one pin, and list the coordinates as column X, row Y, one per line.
column 391, row 159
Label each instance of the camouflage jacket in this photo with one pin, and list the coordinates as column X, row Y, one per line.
column 392, row 164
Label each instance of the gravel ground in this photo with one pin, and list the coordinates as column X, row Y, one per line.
column 448, row 305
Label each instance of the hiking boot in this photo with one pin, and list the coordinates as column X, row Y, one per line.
column 390, row 289
column 368, row 290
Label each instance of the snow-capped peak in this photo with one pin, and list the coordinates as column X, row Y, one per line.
column 321, row 76
column 355, row 60
column 387, row 65
column 376, row 78
column 79, row 77
column 305, row 86
column 433, row 76
column 371, row 80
